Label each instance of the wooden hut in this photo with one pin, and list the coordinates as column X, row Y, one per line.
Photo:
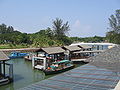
column 55, row 52
column 46, row 56
column 5, row 77
column 70, row 51
column 85, row 47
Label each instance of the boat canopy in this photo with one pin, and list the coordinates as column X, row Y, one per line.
column 63, row 61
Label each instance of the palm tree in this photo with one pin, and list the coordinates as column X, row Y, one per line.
column 59, row 28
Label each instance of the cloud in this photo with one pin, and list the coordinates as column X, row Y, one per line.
column 81, row 30
column 76, row 25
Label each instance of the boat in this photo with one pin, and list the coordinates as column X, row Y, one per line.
column 58, row 67
column 17, row 55
column 29, row 57
column 49, row 67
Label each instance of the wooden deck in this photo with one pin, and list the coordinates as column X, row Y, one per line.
column 93, row 51
column 22, row 50
column 86, row 77
column 78, row 60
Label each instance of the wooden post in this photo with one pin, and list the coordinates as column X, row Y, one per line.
column 97, row 47
column 4, row 68
column 0, row 68
column 33, row 62
column 56, row 57
column 11, row 72
column 44, row 63
column 102, row 47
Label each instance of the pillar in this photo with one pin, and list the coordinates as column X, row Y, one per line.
column 33, row 62
column 4, row 69
column 44, row 63
column 0, row 68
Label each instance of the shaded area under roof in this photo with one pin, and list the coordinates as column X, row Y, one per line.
column 3, row 56
column 52, row 50
column 72, row 48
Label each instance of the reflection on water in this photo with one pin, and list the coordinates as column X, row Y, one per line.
column 23, row 74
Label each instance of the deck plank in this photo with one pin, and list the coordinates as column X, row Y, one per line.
column 75, row 81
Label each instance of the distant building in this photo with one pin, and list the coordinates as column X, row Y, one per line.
column 96, row 46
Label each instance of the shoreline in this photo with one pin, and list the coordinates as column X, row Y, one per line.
column 21, row 49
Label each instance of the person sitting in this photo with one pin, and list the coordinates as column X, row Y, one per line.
column 53, row 67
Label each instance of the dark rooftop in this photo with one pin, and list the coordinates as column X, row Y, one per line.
column 52, row 50
column 72, row 48
column 3, row 56
column 85, row 46
column 110, row 59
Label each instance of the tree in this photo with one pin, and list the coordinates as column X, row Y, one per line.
column 59, row 28
column 3, row 28
column 115, row 22
column 114, row 34
column 10, row 29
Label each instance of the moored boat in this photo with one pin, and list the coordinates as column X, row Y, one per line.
column 17, row 55
column 58, row 67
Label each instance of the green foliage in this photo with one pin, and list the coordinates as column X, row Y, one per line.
column 88, row 39
column 113, row 35
column 9, row 35
column 56, row 36
column 60, row 29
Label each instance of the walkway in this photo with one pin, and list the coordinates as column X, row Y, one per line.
column 22, row 49
column 86, row 77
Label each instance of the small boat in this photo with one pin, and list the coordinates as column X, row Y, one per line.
column 58, row 67
column 17, row 55
column 29, row 57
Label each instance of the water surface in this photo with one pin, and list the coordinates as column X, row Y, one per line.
column 23, row 74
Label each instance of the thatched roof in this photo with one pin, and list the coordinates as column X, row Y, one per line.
column 109, row 59
column 85, row 46
column 72, row 48
column 3, row 56
column 52, row 50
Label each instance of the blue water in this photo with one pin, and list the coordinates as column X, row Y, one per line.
column 23, row 75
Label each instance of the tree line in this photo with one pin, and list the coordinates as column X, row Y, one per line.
column 57, row 35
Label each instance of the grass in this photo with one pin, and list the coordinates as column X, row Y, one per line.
column 11, row 46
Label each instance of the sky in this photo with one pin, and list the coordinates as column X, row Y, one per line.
column 86, row 18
